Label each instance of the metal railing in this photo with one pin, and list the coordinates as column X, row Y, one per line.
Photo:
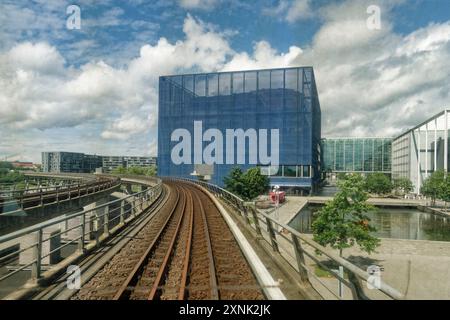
column 326, row 271
column 54, row 195
column 17, row 192
column 91, row 228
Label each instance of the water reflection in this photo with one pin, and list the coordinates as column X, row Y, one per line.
column 394, row 223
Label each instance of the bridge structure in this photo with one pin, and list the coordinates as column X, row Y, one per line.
column 166, row 238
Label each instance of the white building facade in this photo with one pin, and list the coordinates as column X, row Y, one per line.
column 422, row 150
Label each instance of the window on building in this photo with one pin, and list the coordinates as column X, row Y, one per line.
column 200, row 85
column 238, row 82
column 212, row 85
column 225, row 84
column 291, row 79
column 290, row 171
column 263, row 80
column 250, row 81
column 306, row 172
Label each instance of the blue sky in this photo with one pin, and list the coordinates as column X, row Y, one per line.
column 95, row 89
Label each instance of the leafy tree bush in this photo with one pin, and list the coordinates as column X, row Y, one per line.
column 233, row 181
column 247, row 185
column 432, row 186
column 11, row 177
column 341, row 175
column 378, row 183
column 343, row 222
column 444, row 192
column 403, row 185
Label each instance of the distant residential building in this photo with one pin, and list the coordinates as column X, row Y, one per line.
column 24, row 165
column 112, row 162
column 86, row 163
column 364, row 155
column 69, row 162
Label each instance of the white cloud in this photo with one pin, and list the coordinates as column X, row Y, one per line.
column 39, row 58
column 299, row 10
column 264, row 56
column 370, row 83
column 290, row 10
column 198, row 4
column 124, row 127
column 377, row 82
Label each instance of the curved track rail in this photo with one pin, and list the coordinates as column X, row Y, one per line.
column 187, row 252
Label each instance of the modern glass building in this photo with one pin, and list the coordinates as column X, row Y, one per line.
column 363, row 155
column 70, row 162
column 87, row 163
column 422, row 150
column 277, row 99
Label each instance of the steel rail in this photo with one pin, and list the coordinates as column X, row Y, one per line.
column 241, row 207
column 212, row 268
column 165, row 264
column 123, row 291
column 184, row 275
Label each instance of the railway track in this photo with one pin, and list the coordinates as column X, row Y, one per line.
column 187, row 252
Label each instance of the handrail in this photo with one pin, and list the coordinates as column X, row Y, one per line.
column 125, row 210
column 85, row 180
column 240, row 205
column 58, row 194
column 46, row 224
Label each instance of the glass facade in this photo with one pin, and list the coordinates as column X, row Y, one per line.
column 422, row 150
column 283, row 99
column 357, row 154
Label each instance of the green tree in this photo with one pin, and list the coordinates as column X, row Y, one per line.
column 233, row 181
column 444, row 190
column 119, row 170
column 343, row 221
column 378, row 183
column 403, row 185
column 432, row 185
column 6, row 165
column 341, row 176
column 255, row 183
column 11, row 177
column 247, row 185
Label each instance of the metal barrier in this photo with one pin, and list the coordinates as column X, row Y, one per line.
column 306, row 256
column 105, row 220
column 54, row 195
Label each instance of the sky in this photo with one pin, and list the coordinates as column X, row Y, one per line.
column 95, row 89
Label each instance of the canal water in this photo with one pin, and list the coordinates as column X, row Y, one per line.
column 396, row 223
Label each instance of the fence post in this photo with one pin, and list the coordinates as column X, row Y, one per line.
column 245, row 212
column 300, row 258
column 272, row 235
column 83, row 231
column 122, row 211
column 256, row 221
column 96, row 223
column 106, row 220
column 36, row 267
column 41, row 198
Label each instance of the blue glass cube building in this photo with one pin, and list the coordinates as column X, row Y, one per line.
column 283, row 99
